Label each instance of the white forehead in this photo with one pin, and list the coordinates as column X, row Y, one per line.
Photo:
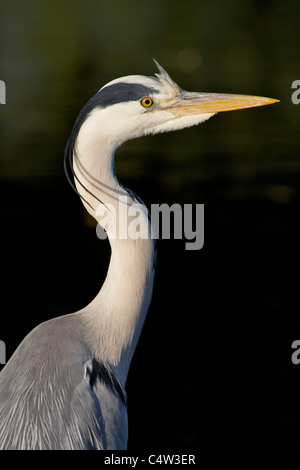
column 161, row 83
column 136, row 79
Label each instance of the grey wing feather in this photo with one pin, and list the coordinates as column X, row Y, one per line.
column 54, row 395
column 99, row 417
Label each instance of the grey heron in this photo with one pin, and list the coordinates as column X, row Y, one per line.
column 64, row 387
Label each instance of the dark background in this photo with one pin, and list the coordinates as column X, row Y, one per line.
column 213, row 366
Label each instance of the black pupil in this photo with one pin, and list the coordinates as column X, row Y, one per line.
column 147, row 102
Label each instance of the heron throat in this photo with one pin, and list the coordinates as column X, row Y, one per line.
column 114, row 319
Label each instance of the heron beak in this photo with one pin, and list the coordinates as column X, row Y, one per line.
column 188, row 104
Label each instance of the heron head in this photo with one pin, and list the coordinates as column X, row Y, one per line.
column 136, row 105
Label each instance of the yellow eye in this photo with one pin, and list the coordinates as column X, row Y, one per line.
column 146, row 102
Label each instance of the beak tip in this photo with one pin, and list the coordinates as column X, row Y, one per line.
column 272, row 101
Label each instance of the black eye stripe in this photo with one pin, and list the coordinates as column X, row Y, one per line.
column 122, row 92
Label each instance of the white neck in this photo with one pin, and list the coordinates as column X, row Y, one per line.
column 114, row 319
